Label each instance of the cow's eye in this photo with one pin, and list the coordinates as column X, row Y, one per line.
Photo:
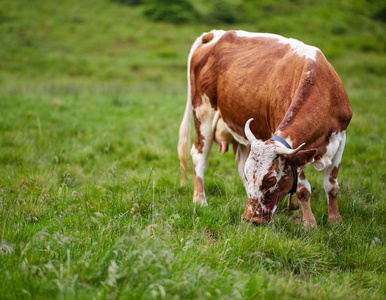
column 270, row 181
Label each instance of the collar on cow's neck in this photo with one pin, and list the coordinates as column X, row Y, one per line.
column 294, row 171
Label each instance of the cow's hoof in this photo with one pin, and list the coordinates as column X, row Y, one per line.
column 199, row 199
column 310, row 225
column 334, row 220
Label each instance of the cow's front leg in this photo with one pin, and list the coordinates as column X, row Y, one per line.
column 303, row 193
column 330, row 183
column 331, row 188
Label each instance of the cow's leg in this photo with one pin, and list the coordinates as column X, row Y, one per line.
column 331, row 187
column 303, row 193
column 203, row 118
column 241, row 158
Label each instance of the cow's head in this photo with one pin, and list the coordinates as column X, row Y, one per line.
column 269, row 176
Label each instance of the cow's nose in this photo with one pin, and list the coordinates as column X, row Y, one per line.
column 255, row 220
column 253, row 215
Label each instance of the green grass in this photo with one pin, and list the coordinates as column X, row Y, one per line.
column 91, row 98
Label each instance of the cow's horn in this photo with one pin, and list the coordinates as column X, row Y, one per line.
column 282, row 150
column 248, row 132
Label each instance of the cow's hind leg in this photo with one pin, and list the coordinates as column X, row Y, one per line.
column 303, row 193
column 203, row 118
column 331, row 184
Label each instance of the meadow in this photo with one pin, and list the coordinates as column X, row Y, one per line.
column 92, row 94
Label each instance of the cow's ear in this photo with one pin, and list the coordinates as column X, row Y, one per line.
column 301, row 158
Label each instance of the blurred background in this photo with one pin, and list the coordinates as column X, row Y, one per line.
column 148, row 40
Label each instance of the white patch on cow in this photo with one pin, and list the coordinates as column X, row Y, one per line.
column 302, row 49
column 332, row 150
column 274, row 209
column 296, row 46
column 242, row 33
column 304, row 182
column 215, row 120
column 328, row 186
column 194, row 47
column 199, row 162
column 257, row 165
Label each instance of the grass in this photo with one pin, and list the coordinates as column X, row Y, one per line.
column 91, row 98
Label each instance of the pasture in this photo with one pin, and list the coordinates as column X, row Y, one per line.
column 92, row 94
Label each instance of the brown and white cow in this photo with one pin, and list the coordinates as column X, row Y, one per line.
column 292, row 93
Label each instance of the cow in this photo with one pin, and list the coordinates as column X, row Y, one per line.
column 282, row 106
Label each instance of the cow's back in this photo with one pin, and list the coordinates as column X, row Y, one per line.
column 260, row 76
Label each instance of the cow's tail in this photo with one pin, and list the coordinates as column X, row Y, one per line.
column 184, row 140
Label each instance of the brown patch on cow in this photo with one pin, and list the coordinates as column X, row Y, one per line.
column 333, row 210
column 302, row 176
column 303, row 194
column 199, row 139
column 307, row 108
column 334, row 174
column 333, row 193
column 301, row 158
column 206, row 38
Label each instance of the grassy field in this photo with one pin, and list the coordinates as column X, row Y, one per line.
column 91, row 97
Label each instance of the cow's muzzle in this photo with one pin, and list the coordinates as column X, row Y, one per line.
column 255, row 214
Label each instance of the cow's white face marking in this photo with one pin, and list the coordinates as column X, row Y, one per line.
column 259, row 162
column 298, row 47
